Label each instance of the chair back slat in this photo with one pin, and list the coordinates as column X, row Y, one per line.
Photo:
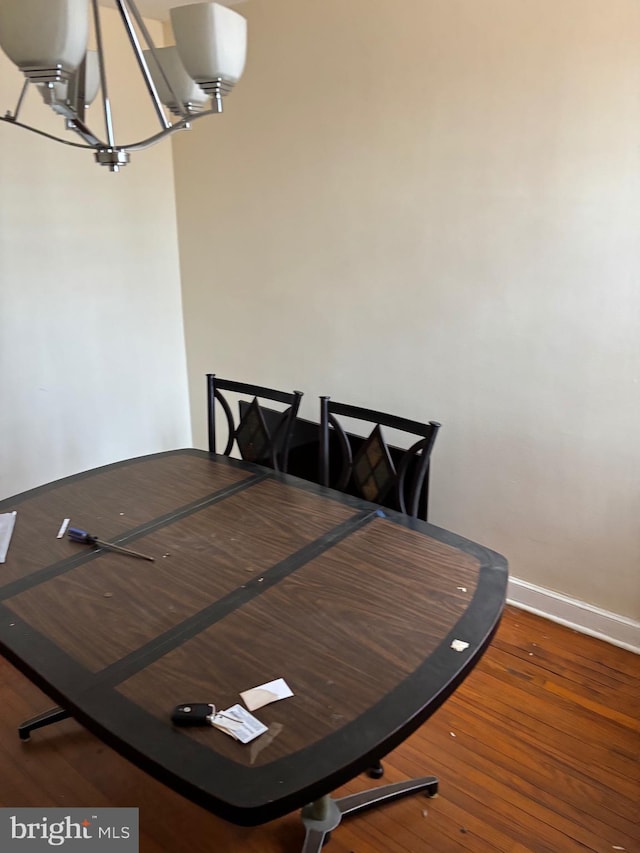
column 388, row 475
column 250, row 433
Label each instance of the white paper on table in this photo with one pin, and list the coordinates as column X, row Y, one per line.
column 239, row 724
column 262, row 695
column 7, row 523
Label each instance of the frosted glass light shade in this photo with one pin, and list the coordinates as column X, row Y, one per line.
column 187, row 91
column 42, row 34
column 212, row 42
column 92, row 77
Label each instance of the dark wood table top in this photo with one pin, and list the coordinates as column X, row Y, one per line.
column 256, row 576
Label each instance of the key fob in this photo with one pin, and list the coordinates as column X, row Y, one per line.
column 192, row 714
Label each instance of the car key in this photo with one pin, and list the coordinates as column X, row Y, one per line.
column 193, row 714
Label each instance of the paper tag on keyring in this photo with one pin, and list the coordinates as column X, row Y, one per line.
column 264, row 694
column 237, row 722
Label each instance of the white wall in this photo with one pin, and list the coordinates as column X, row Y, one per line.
column 92, row 362
column 432, row 208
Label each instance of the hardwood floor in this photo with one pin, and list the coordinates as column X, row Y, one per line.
column 537, row 752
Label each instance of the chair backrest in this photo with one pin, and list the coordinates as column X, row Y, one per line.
column 390, row 476
column 255, row 441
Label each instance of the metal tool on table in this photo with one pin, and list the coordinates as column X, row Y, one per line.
column 77, row 535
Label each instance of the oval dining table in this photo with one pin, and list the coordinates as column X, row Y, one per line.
column 372, row 618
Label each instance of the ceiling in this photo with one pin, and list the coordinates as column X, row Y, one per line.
column 160, row 8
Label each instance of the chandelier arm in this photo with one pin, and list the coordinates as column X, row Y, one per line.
column 103, row 75
column 150, row 43
column 14, row 116
column 79, row 127
column 142, row 62
column 182, row 124
column 45, row 134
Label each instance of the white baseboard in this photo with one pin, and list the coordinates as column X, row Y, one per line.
column 618, row 630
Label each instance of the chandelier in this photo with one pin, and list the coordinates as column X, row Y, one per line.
column 48, row 41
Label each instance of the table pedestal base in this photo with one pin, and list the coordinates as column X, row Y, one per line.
column 324, row 815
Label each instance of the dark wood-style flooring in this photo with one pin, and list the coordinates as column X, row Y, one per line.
column 537, row 752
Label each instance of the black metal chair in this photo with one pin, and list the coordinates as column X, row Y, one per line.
column 254, row 439
column 369, row 467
